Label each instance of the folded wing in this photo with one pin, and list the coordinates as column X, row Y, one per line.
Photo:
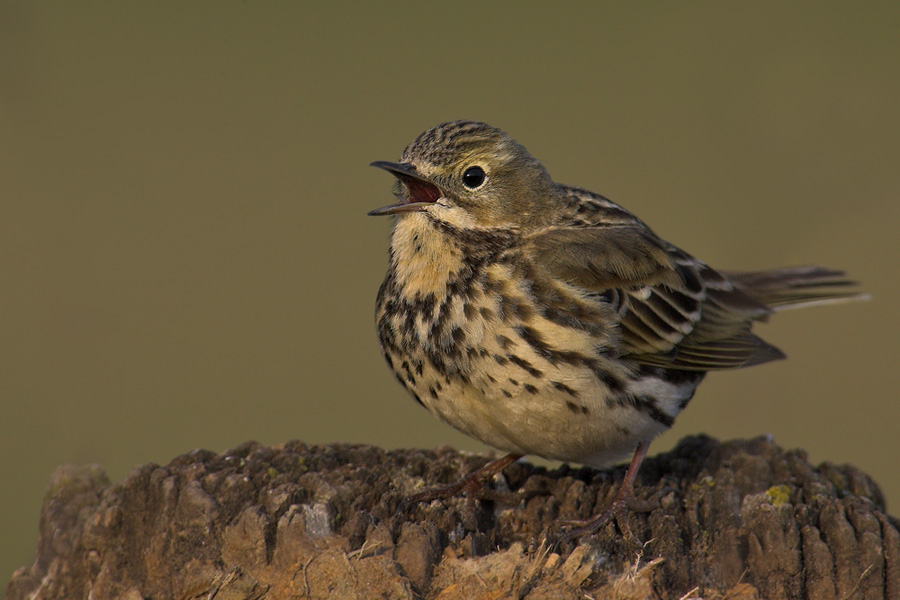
column 674, row 310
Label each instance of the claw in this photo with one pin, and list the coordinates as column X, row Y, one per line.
column 472, row 485
column 618, row 509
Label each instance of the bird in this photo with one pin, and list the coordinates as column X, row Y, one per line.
column 544, row 319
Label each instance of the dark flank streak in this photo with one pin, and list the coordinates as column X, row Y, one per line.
column 426, row 306
column 524, row 364
column 531, row 337
column 643, row 404
column 408, row 371
column 577, row 408
column 523, row 311
column 564, row 388
column 409, row 324
column 609, row 380
column 649, row 406
column 559, row 317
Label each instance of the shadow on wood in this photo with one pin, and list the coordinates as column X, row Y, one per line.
column 738, row 520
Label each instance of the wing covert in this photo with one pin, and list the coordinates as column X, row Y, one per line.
column 674, row 310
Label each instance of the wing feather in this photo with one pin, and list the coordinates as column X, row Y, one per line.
column 674, row 310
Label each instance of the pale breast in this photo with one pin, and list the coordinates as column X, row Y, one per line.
column 523, row 364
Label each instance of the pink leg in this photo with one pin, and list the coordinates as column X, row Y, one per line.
column 618, row 508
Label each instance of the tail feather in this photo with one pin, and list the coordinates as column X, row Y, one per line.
column 796, row 287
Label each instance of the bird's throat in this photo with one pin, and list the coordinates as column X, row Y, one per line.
column 424, row 259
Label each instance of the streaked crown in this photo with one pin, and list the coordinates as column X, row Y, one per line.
column 483, row 171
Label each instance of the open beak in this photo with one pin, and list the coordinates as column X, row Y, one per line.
column 420, row 192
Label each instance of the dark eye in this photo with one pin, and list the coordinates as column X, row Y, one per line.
column 473, row 177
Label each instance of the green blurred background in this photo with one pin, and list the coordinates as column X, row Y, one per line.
column 187, row 261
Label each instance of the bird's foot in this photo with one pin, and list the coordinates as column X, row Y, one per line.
column 473, row 486
column 616, row 512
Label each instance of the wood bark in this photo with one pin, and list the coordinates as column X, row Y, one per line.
column 738, row 520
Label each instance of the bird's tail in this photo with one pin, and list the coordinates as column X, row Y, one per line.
column 796, row 287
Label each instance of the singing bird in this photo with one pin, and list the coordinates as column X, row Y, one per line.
column 545, row 319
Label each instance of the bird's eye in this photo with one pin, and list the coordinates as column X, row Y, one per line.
column 473, row 177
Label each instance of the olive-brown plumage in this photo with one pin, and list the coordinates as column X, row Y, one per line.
column 545, row 319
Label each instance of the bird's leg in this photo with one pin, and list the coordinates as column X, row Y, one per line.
column 617, row 509
column 472, row 485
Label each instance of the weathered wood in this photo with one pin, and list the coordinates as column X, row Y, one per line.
column 741, row 520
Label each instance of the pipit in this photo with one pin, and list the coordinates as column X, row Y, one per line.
column 545, row 319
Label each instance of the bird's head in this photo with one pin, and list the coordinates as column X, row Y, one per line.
column 471, row 175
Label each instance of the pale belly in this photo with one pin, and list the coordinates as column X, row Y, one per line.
column 539, row 389
column 546, row 422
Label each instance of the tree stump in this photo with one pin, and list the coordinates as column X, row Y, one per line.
column 737, row 520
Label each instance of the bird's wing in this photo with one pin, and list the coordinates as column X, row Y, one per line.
column 674, row 311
